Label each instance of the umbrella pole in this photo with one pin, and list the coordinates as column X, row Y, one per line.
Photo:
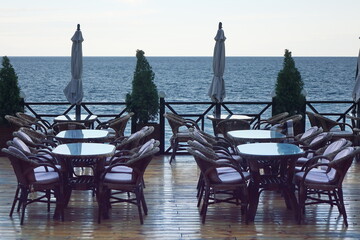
column 77, row 112
column 217, row 109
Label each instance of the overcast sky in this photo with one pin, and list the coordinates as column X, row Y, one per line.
column 180, row 27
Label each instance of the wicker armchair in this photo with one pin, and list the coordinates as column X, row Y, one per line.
column 328, row 151
column 61, row 126
column 306, row 137
column 339, row 129
column 29, row 181
column 314, row 122
column 38, row 137
column 20, row 122
column 125, row 182
column 180, row 129
column 267, row 123
column 34, row 120
column 221, row 177
column 314, row 184
column 224, row 126
column 116, row 126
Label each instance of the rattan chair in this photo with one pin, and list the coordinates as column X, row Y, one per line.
column 114, row 183
column 61, row 126
column 267, row 123
column 314, row 184
column 328, row 151
column 180, row 129
column 224, row 126
column 306, row 137
column 116, row 126
column 29, row 181
column 216, row 180
column 33, row 120
column 339, row 129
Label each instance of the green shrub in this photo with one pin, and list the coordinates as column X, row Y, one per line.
column 143, row 101
column 288, row 89
column 10, row 101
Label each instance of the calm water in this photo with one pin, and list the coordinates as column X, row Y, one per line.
column 183, row 79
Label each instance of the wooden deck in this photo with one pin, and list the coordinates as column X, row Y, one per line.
column 171, row 197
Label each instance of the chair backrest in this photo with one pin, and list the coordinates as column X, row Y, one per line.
column 277, row 117
column 130, row 142
column 36, row 136
column 309, row 134
column 147, row 130
column 313, row 120
column 119, row 124
column 319, row 141
column 341, row 163
column 22, row 165
column 206, row 150
column 140, row 162
column 174, row 122
column 326, row 123
column 61, row 126
column 17, row 122
column 336, row 146
column 20, row 145
column 25, row 138
column 231, row 124
column 27, row 117
column 207, row 165
column 197, row 135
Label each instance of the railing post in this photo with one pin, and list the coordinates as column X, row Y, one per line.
column 162, row 125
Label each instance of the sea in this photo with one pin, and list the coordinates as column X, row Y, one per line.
column 108, row 79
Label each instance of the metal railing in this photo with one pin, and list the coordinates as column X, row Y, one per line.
column 195, row 110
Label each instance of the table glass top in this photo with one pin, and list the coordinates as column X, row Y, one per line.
column 82, row 134
column 269, row 149
column 256, row 134
column 72, row 117
column 84, row 149
column 234, row 116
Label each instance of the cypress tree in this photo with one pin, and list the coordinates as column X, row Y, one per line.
column 288, row 88
column 144, row 99
column 10, row 101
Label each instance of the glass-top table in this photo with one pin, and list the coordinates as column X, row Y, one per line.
column 272, row 167
column 72, row 155
column 257, row 135
column 82, row 135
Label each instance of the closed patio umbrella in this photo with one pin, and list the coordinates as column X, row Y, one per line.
column 217, row 87
column 74, row 90
column 356, row 91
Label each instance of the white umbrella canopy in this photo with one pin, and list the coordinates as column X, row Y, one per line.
column 74, row 90
column 217, row 87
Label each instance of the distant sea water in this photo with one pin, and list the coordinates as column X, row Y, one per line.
column 184, row 78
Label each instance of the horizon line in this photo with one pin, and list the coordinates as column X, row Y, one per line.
column 174, row 56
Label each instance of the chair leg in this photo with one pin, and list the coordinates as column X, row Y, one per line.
column 174, row 147
column 24, row 197
column 205, row 204
column 301, row 207
column 16, row 199
column 342, row 206
column 138, row 203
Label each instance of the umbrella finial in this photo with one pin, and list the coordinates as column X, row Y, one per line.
column 78, row 27
column 220, row 25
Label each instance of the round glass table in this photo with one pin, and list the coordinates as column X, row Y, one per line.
column 272, row 167
column 82, row 135
column 244, row 136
